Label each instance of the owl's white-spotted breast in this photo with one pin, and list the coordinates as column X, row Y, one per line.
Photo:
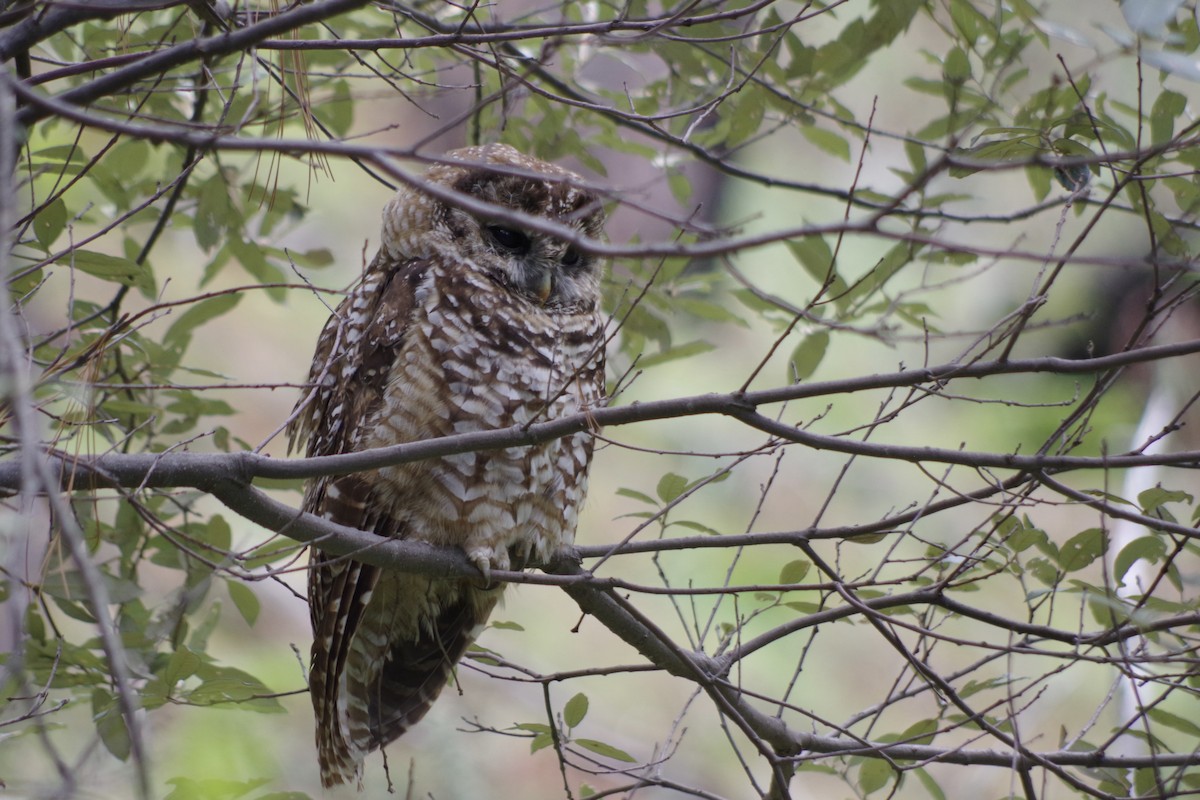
column 460, row 323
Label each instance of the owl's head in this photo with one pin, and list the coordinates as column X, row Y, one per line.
column 541, row 268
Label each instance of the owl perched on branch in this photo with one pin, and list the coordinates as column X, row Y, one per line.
column 463, row 322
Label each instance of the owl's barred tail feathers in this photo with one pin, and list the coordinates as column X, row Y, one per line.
column 398, row 688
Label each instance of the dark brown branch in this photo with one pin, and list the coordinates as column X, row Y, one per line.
column 202, row 470
column 43, row 20
column 163, row 61
column 381, row 158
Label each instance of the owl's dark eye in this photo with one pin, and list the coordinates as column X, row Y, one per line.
column 571, row 258
column 509, row 238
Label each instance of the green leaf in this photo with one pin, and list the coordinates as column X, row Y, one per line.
column 606, row 750
column 957, row 67
column 676, row 353
column 887, row 267
column 110, row 268
column 221, row 685
column 130, row 408
column 110, row 725
column 216, row 533
column 313, row 259
column 1023, row 537
column 114, row 187
column 129, row 158
column 746, row 118
column 1151, row 500
column 1108, row 496
column 539, row 742
column 916, row 156
column 198, row 641
column 338, row 111
column 1082, row 549
column 670, row 486
column 213, row 788
column 49, row 222
column 931, row 785
column 707, row 309
column 920, row 732
column 215, row 212
column 969, row 21
column 696, row 526
column 1181, row 724
column 680, row 187
column 181, row 666
column 815, row 255
column 575, row 710
column 245, row 600
column 636, row 495
column 794, row 571
column 753, row 302
column 1043, row 570
column 828, row 141
column 1024, row 144
column 1150, row 548
column 808, row 355
column 199, row 313
column 873, row 774
column 69, row 584
column 1039, row 181
column 506, row 625
column 254, row 261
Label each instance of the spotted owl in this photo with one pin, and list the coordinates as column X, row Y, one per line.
column 461, row 323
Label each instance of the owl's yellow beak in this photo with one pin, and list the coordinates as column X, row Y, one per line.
column 541, row 284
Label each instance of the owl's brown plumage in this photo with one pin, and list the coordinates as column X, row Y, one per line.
column 459, row 324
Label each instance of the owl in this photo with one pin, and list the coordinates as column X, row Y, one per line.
column 462, row 322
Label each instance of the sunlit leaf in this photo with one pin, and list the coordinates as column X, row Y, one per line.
column 506, row 625
column 575, row 710
column 604, row 749
column 670, row 486
column 636, row 495
column 828, row 141
column 794, row 571
column 874, row 774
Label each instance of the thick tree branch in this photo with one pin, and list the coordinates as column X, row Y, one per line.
column 205, row 470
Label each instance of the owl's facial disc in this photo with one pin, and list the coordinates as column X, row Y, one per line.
column 544, row 270
column 537, row 266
